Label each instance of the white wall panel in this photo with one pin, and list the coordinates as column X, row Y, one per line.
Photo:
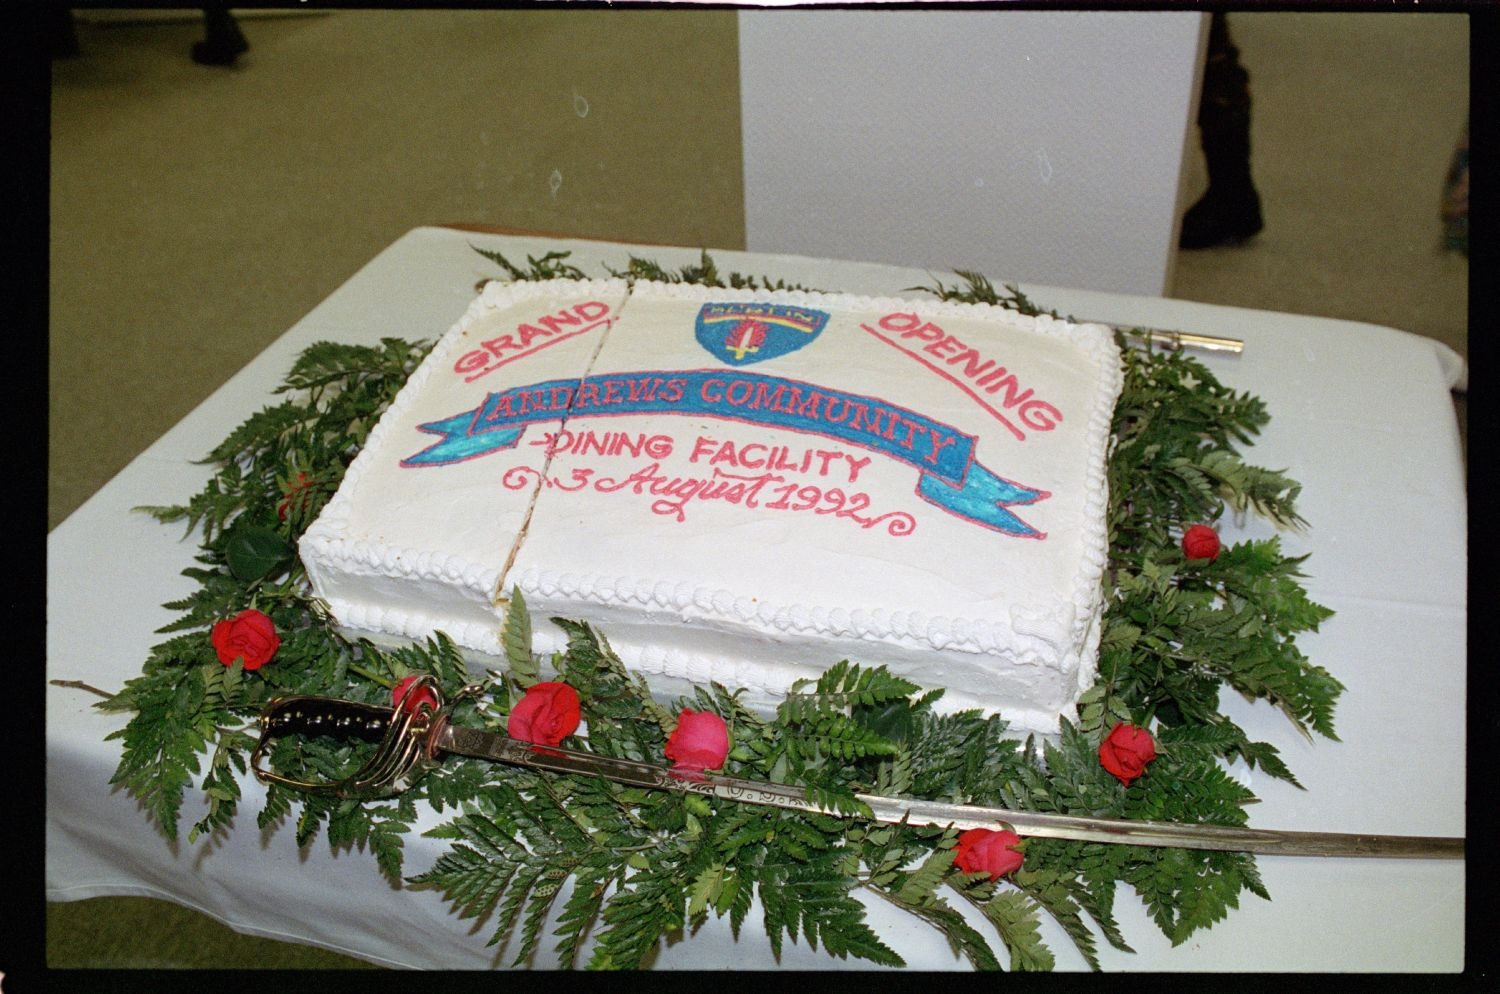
column 1036, row 146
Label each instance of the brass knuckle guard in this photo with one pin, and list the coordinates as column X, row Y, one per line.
column 398, row 761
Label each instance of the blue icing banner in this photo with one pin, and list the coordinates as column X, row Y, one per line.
column 744, row 333
column 943, row 455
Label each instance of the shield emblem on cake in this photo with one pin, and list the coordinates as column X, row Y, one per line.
column 742, row 334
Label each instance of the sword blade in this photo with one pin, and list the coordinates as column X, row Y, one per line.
column 1225, row 838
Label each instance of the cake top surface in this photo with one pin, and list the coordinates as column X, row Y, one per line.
column 776, row 460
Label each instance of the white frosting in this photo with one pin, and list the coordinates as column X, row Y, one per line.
column 750, row 538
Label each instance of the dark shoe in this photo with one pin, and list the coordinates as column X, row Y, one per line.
column 224, row 42
column 1221, row 219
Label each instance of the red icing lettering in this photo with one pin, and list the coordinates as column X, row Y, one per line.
column 911, row 326
column 780, row 458
column 808, row 408
column 1039, row 414
column 532, row 336
column 673, row 494
column 939, row 443
column 725, row 454
column 766, row 400
column 608, row 443
column 740, row 392
column 553, row 323
column 972, row 366
column 529, row 333
column 947, row 345
column 701, row 447
column 472, row 362
column 1003, row 379
column 533, row 400
column 966, row 366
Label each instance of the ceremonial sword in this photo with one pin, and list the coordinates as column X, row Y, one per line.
column 1173, row 339
column 413, row 739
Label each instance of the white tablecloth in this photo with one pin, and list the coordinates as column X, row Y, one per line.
column 1361, row 416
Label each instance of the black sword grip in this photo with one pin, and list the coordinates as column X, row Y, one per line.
column 312, row 716
column 401, row 738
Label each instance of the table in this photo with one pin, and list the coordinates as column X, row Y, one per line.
column 1361, row 415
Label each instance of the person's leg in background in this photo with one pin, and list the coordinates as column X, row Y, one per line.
column 1455, row 210
column 1229, row 211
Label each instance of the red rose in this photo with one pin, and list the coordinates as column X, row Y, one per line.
column 249, row 635
column 1126, row 751
column 981, row 850
column 546, row 715
column 701, row 741
column 294, row 495
column 1200, row 542
column 409, row 703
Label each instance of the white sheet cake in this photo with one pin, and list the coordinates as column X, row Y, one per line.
column 745, row 487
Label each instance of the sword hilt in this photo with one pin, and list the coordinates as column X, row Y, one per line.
column 403, row 735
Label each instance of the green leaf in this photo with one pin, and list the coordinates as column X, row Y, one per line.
column 550, row 266
column 639, row 916
column 962, row 937
column 581, row 910
column 813, row 897
column 919, row 887
column 515, row 636
column 1015, row 917
column 254, row 553
column 705, row 889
